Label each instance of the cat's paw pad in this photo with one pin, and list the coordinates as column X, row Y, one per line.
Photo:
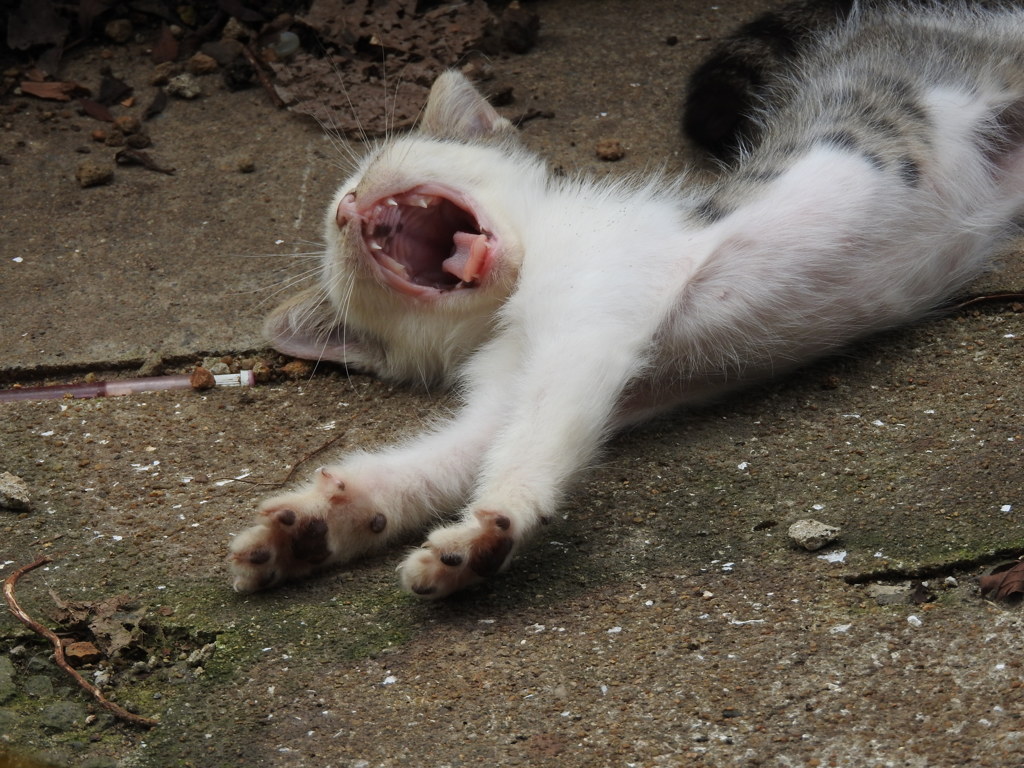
column 459, row 555
column 283, row 546
column 301, row 531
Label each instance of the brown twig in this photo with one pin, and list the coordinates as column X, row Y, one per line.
column 531, row 114
column 992, row 298
column 261, row 68
column 291, row 475
column 58, row 649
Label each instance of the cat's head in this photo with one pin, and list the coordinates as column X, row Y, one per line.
column 422, row 245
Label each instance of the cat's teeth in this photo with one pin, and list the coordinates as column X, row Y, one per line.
column 375, row 246
column 391, row 201
column 393, row 266
column 421, row 201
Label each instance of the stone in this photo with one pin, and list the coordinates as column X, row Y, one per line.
column 62, row 716
column 610, row 150
column 13, row 492
column 812, row 534
column 184, row 86
column 93, row 174
column 81, row 653
column 39, row 686
column 7, row 688
column 201, row 64
column 890, row 594
column 119, row 30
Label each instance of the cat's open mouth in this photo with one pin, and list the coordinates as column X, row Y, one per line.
column 425, row 241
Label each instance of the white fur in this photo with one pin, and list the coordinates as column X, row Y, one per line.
column 612, row 302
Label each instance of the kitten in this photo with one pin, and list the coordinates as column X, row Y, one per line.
column 565, row 309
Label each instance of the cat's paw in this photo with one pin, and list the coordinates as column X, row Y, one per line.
column 304, row 530
column 456, row 556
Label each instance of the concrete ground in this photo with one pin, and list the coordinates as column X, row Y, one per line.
column 665, row 621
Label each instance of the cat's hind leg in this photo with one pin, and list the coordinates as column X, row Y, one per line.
column 559, row 409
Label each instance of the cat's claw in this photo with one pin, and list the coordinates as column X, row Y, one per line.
column 301, row 531
column 456, row 556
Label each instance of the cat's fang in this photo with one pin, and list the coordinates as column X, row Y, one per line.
column 421, row 201
column 392, row 266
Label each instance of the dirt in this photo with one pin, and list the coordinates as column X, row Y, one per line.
column 664, row 620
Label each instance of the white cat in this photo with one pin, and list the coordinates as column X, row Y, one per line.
column 891, row 162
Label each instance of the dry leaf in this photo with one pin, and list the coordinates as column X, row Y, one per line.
column 96, row 110
column 52, row 90
column 156, row 106
column 113, row 623
column 113, row 90
column 166, row 48
column 1004, row 582
column 138, row 157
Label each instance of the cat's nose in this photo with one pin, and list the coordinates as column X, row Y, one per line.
column 346, row 210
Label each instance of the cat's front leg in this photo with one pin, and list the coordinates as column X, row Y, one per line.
column 563, row 406
column 371, row 500
column 360, row 506
column 332, row 519
column 455, row 556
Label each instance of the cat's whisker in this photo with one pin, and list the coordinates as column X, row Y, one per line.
column 279, row 287
column 301, row 255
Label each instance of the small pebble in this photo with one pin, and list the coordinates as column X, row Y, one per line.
column 14, row 492
column 163, row 72
column 7, row 687
column 235, row 30
column 138, row 141
column 286, row 45
column 242, row 163
column 81, row 653
column 812, row 534
column 201, row 64
column 215, row 365
column 128, row 124
column 62, row 716
column 202, row 378
column 119, row 30
column 890, row 594
column 38, row 686
column 610, row 150
column 184, row 86
column 93, row 174
column 297, row 369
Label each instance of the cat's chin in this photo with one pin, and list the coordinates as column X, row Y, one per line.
column 428, row 241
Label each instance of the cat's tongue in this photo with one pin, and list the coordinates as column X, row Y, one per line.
column 467, row 259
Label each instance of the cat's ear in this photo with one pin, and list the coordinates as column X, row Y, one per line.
column 457, row 110
column 307, row 327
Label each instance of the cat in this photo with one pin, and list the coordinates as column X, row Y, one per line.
column 564, row 309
